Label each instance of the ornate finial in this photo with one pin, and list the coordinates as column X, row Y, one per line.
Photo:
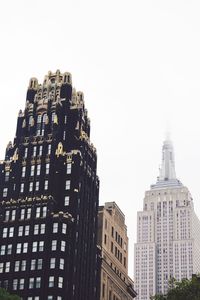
column 59, row 150
column 55, row 119
column 15, row 156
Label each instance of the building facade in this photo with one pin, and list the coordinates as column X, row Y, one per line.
column 115, row 283
column 49, row 197
column 168, row 241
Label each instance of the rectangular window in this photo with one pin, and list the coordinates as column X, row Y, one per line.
column 25, row 152
column 23, row 172
column 21, row 284
column 7, row 215
column 39, row 264
column 55, row 227
column 32, row 171
column 27, row 229
column 17, row 266
column 62, row 248
column 42, row 228
column 49, row 149
column 22, row 188
column 11, row 232
column 34, row 247
column 5, row 232
column 9, row 249
column 30, row 186
column 7, row 267
column 33, row 264
column 61, row 265
column 38, row 282
column 13, row 214
column 46, row 183
column 28, row 213
column 38, row 170
column 15, row 283
column 25, row 247
column 60, row 282
column 19, row 247
column 7, row 173
column 64, row 228
column 36, row 229
column 54, row 245
column 51, row 281
column 41, row 246
column 47, row 168
column 5, row 192
column 66, row 200
column 31, row 283
column 52, row 263
column 3, row 250
column 22, row 214
column 67, row 185
column 1, row 267
column 37, row 212
column 69, row 168
column 34, row 151
column 37, row 184
column 44, row 211
column 23, row 265
column 40, row 151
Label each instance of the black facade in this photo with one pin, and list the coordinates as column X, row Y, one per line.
column 49, row 197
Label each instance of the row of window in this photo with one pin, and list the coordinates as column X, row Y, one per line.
column 36, row 282
column 37, row 229
column 25, row 213
column 37, row 246
column 35, row 264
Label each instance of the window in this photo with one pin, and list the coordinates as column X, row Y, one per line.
column 30, row 186
column 22, row 214
column 50, row 298
column 46, row 184
column 25, row 247
column 59, row 298
column 38, row 282
column 21, row 284
column 42, row 228
column 41, row 246
column 1, row 267
column 13, row 214
column 67, row 185
column 37, row 212
column 3, row 250
column 51, row 281
column 23, row 265
column 23, row 172
column 63, row 243
column 55, row 227
column 5, row 192
column 40, row 151
column 60, row 282
column 47, row 168
column 66, row 200
column 7, row 215
column 31, row 283
column 61, row 265
column 22, row 188
column 49, row 149
column 39, row 264
column 44, row 211
column 38, row 170
column 64, row 228
column 28, row 213
column 34, row 151
column 7, row 173
column 69, row 168
column 25, row 152
column 17, row 266
column 7, row 267
column 19, row 247
column 5, row 232
column 53, row 245
column 11, row 232
column 9, row 249
column 36, row 229
column 52, row 263
column 37, row 185
column 34, row 247
column 33, row 264
column 32, row 171
column 15, row 283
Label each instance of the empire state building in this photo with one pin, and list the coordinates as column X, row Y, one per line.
column 168, row 241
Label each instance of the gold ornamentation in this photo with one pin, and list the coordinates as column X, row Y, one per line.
column 59, row 150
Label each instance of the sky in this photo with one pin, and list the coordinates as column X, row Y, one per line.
column 138, row 64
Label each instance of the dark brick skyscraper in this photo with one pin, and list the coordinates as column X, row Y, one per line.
column 49, row 197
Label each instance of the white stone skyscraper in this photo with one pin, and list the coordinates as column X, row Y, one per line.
column 168, row 232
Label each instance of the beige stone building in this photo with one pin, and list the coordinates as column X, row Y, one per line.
column 113, row 241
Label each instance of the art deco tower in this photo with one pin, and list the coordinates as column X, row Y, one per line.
column 168, row 240
column 49, row 197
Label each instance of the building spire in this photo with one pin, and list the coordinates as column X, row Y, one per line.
column 167, row 170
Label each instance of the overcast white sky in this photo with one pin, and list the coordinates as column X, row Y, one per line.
column 138, row 64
